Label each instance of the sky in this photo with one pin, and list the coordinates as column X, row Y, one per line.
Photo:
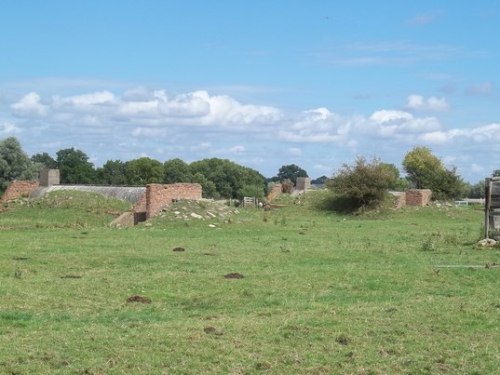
column 264, row 83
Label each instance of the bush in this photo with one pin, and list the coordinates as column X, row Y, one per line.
column 362, row 185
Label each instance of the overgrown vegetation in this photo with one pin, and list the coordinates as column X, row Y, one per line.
column 362, row 185
column 316, row 292
column 426, row 171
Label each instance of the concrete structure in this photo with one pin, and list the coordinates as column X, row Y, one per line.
column 303, row 183
column 49, row 177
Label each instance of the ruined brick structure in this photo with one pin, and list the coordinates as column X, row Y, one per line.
column 418, row 197
column 160, row 196
column 19, row 189
column 275, row 192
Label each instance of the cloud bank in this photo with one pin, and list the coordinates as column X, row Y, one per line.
column 211, row 125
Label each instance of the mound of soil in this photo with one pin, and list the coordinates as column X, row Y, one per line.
column 139, row 299
column 212, row 331
column 234, row 275
column 205, row 209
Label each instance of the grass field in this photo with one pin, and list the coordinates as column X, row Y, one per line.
column 402, row 292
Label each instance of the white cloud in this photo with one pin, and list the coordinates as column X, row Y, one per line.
column 316, row 125
column 435, row 137
column 7, row 129
column 419, row 103
column 148, row 132
column 29, row 106
column 152, row 108
column 238, row 149
column 393, row 123
column 294, row 151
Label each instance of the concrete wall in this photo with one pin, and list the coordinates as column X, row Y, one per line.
column 160, row 196
column 418, row 197
column 49, row 177
column 19, row 189
column 303, row 183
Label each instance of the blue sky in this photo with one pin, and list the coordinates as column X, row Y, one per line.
column 263, row 83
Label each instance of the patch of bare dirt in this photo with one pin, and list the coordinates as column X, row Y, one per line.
column 212, row 331
column 234, row 275
column 138, row 299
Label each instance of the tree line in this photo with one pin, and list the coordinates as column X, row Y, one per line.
column 219, row 178
column 364, row 181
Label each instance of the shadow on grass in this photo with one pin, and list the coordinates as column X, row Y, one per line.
column 329, row 202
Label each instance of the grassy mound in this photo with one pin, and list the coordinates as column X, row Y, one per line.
column 63, row 209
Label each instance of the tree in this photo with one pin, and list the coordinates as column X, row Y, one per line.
column 44, row 160
column 143, row 171
column 364, row 184
column 476, row 190
column 112, row 173
column 396, row 183
column 74, row 167
column 291, row 172
column 319, row 181
column 176, row 170
column 496, row 173
column 230, row 179
column 426, row 171
column 14, row 163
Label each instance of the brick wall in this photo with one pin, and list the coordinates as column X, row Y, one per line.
column 160, row 196
column 418, row 197
column 18, row 189
column 275, row 192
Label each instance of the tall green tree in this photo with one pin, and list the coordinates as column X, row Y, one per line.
column 75, row 167
column 176, row 170
column 143, row 171
column 112, row 173
column 14, row 163
column 291, row 172
column 44, row 160
column 396, row 182
column 426, row 171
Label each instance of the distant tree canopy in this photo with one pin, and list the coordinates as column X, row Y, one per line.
column 320, row 180
column 44, row 160
column 143, row 171
column 14, row 163
column 229, row 179
column 496, row 173
column 176, row 170
column 112, row 173
column 426, row 171
column 291, row 172
column 74, row 167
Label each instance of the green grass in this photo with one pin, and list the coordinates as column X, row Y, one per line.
column 321, row 293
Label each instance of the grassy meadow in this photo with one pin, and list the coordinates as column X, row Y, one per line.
column 312, row 292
